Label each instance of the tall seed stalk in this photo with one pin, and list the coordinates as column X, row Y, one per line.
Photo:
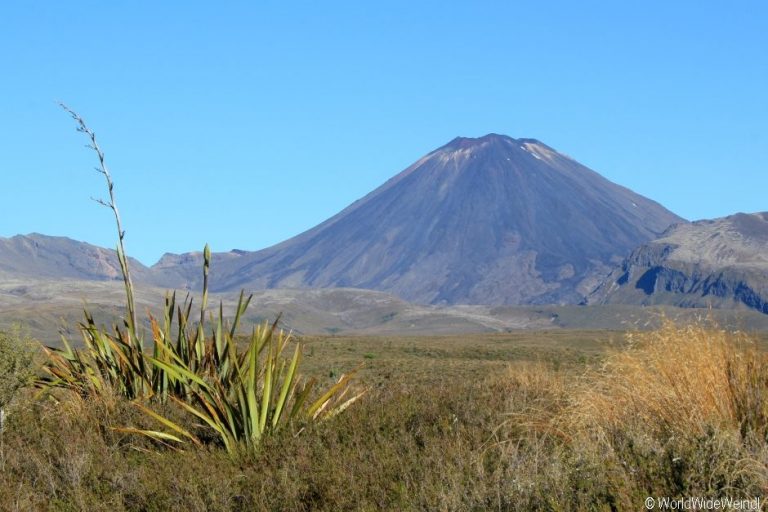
column 112, row 205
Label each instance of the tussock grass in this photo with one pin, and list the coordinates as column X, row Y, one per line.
column 679, row 412
column 678, row 380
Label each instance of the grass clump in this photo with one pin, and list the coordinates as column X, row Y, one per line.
column 680, row 412
column 680, row 381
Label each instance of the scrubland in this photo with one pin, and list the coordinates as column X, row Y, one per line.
column 569, row 420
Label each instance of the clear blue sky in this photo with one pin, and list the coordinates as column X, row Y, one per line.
column 244, row 123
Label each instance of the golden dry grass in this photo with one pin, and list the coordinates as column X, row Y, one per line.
column 679, row 380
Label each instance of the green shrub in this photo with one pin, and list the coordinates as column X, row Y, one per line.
column 16, row 371
column 16, row 364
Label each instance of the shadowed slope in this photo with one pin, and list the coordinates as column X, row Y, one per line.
column 720, row 262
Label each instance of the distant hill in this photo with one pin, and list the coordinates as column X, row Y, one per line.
column 719, row 263
column 492, row 220
column 56, row 257
column 45, row 307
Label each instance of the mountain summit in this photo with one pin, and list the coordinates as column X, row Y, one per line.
column 491, row 220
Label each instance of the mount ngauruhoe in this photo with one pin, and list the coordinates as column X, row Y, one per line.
column 492, row 220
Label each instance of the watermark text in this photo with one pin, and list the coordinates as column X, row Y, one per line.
column 701, row 503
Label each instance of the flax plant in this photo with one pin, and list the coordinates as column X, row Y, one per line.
column 241, row 395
